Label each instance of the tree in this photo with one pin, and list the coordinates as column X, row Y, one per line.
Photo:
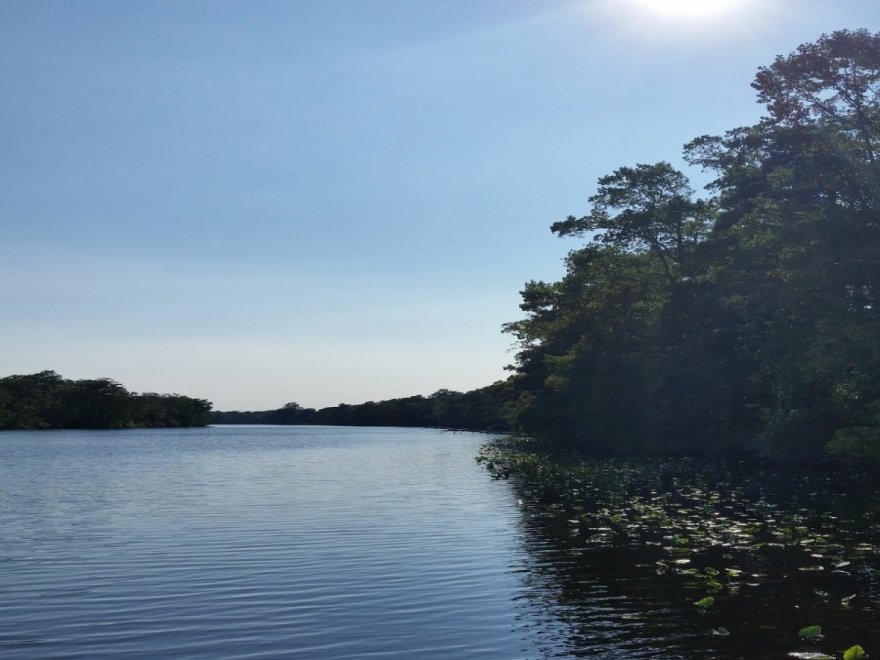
column 46, row 400
column 799, row 238
column 96, row 404
column 749, row 320
column 31, row 401
column 833, row 82
column 646, row 208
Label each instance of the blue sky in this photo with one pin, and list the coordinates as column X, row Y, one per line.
column 331, row 201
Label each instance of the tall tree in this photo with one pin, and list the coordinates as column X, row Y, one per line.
column 832, row 82
column 646, row 208
column 749, row 320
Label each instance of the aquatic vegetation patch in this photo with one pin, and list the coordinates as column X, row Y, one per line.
column 725, row 540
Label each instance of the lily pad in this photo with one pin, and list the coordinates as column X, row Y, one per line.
column 810, row 632
column 721, row 631
column 854, row 653
column 703, row 603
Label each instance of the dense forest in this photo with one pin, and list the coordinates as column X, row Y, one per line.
column 47, row 401
column 741, row 323
column 482, row 409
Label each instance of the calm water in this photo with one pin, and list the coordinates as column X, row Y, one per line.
column 263, row 542
column 321, row 542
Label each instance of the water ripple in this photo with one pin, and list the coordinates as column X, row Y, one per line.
column 267, row 542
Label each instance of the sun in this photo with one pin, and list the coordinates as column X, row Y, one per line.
column 687, row 7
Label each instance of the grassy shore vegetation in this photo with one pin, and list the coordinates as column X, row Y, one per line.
column 47, row 401
column 744, row 322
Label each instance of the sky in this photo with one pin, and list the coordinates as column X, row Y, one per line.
column 323, row 201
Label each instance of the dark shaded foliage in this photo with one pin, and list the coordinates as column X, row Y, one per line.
column 483, row 409
column 47, row 401
column 741, row 324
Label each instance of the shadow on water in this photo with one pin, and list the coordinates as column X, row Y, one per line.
column 687, row 559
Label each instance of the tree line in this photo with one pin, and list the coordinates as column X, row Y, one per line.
column 45, row 400
column 481, row 409
column 744, row 322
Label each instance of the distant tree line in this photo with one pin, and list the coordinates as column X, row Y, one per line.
column 481, row 409
column 744, row 323
column 47, row 401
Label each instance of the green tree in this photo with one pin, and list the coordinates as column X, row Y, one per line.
column 46, row 400
column 31, row 401
column 833, row 82
column 95, row 404
column 646, row 208
column 747, row 321
column 799, row 236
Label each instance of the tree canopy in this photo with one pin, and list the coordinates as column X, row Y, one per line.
column 741, row 323
column 45, row 400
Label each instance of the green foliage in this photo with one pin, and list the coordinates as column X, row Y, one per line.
column 810, row 632
column 856, row 442
column 854, row 653
column 741, row 324
column 646, row 208
column 485, row 409
column 781, row 543
column 46, row 400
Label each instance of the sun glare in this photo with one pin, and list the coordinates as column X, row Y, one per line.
column 687, row 7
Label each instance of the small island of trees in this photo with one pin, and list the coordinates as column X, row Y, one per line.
column 45, row 400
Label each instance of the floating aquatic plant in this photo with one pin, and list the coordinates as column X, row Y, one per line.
column 707, row 527
column 854, row 653
column 810, row 632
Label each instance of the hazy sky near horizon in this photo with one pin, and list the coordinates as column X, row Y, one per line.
column 330, row 201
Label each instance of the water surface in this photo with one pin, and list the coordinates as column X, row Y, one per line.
column 323, row 542
column 316, row 542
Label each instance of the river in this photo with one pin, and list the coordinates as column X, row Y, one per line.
column 332, row 543
column 247, row 542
